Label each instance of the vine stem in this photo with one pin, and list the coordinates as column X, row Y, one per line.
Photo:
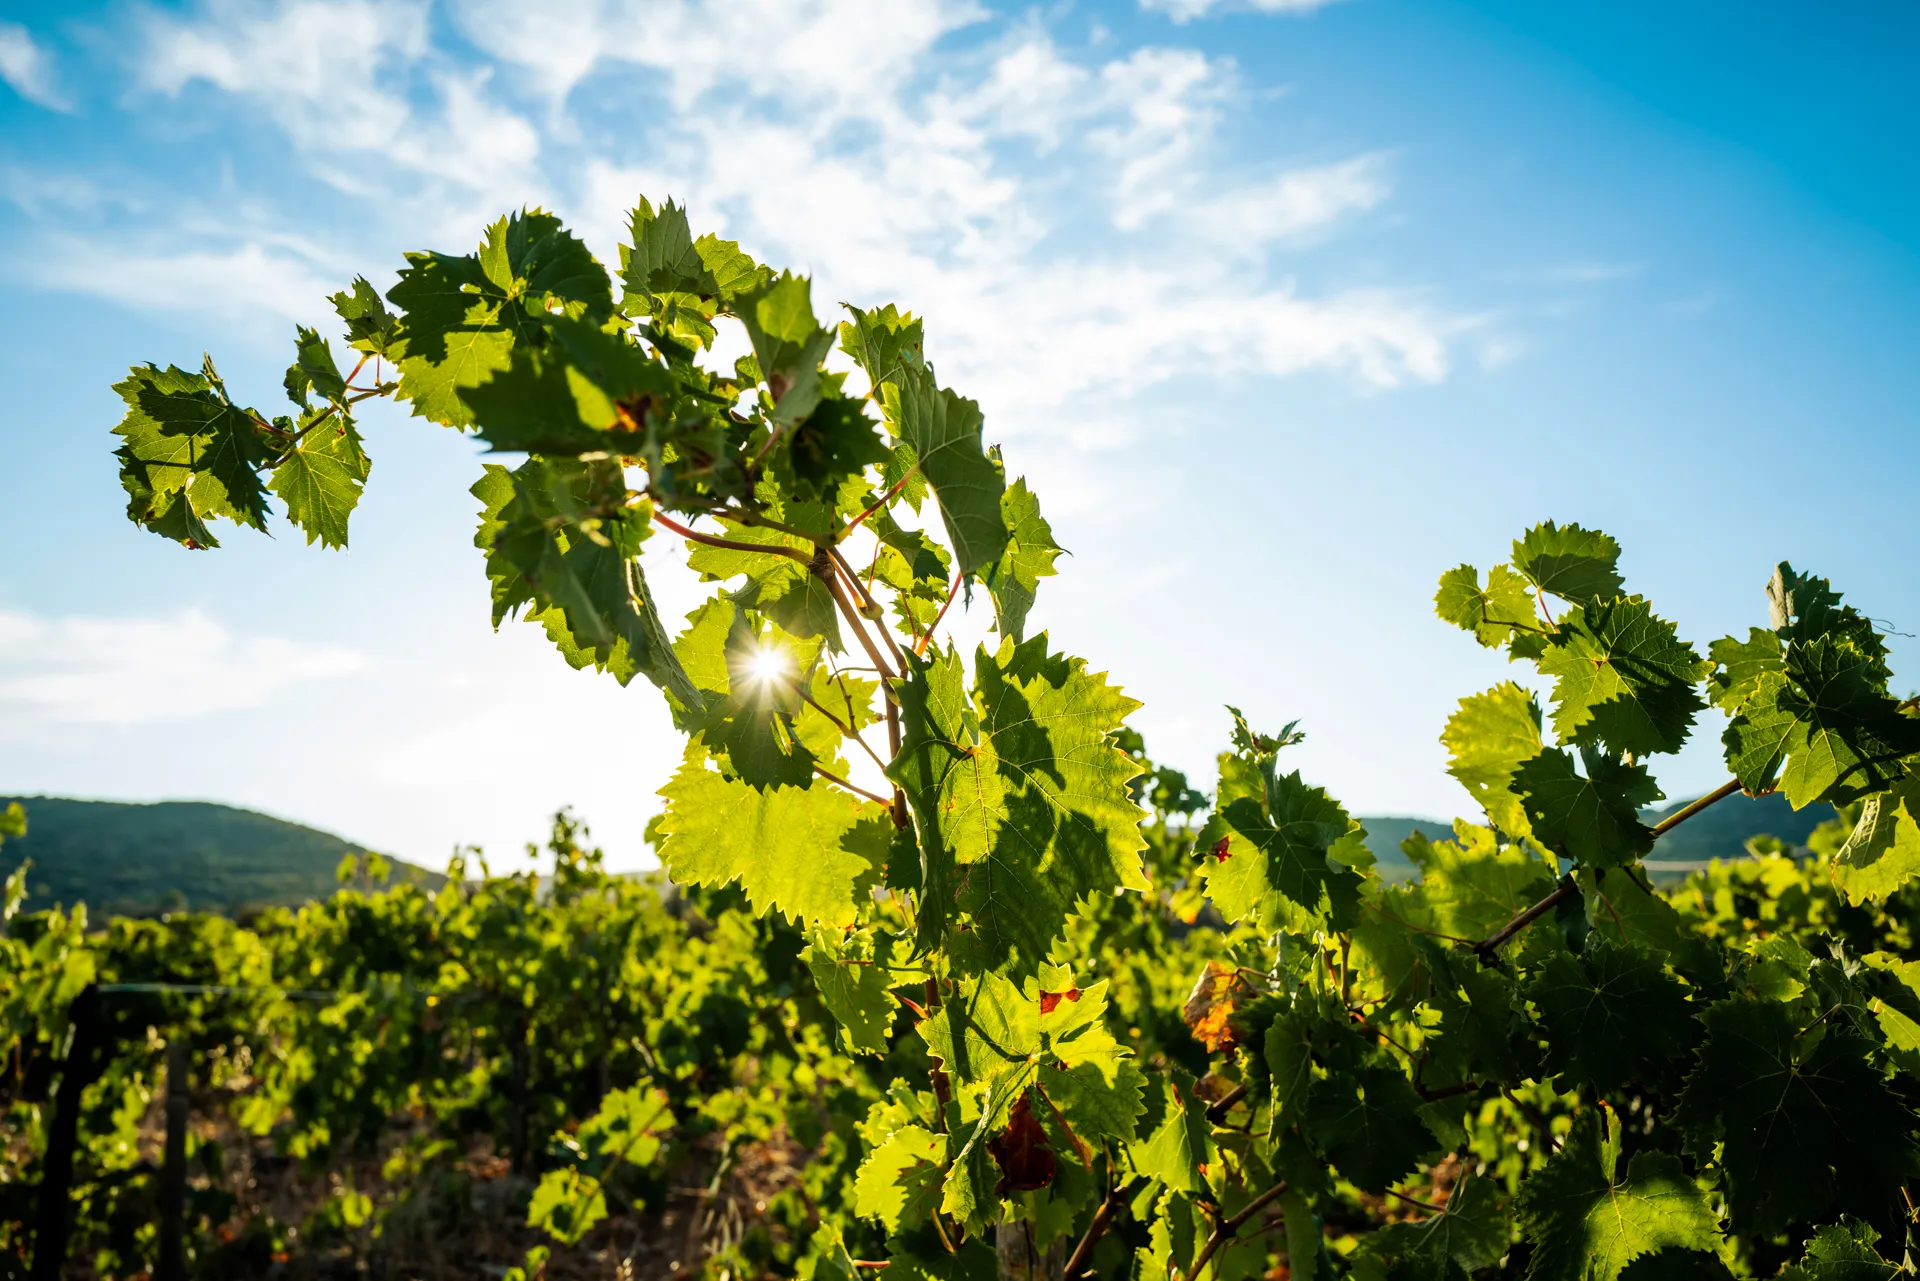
column 867, row 596
column 1567, row 889
column 881, row 502
column 822, row 568
column 856, row 790
column 1224, row 1233
column 1218, row 1109
column 927, row 640
column 1083, row 1252
column 694, row 535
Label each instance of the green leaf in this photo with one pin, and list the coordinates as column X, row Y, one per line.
column 1277, row 850
column 558, row 537
column 1020, row 796
column 322, row 478
column 188, row 454
column 883, row 342
column 1499, row 614
column 1288, row 1052
column 1573, row 563
column 464, row 316
column 1487, row 740
column 1623, row 678
column 899, row 1181
column 812, row 853
column 566, row 1204
column 944, row 430
column 1368, row 1124
column 313, row 369
column 1473, row 884
column 1883, row 853
column 837, row 440
column 1789, row 1110
column 788, row 344
column 1594, row 820
column 1759, row 735
column 1028, row 558
column 370, row 326
column 1612, row 1016
column 1741, row 663
column 856, row 979
column 1850, row 738
column 679, row 281
column 1177, row 1140
column 1473, row 1233
column 782, row 588
column 626, row 1129
column 1843, row 1251
column 1587, row 1222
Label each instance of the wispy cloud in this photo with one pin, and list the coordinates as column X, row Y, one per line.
column 1188, row 10
column 28, row 69
column 1007, row 186
column 131, row 671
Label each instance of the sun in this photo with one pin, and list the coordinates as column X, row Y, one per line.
column 769, row 665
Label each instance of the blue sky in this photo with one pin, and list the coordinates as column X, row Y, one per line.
column 1283, row 308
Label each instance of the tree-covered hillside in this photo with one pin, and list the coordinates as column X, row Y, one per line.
column 131, row 859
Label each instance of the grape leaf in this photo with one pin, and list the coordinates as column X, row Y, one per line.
column 836, row 441
column 1789, row 1111
column 1843, row 1251
column 188, row 454
column 899, row 1181
column 1487, row 739
column 679, row 281
column 1472, row 1233
column 1368, row 1124
column 812, row 853
column 883, row 342
column 1849, row 737
column 370, row 326
column 1278, row 850
column 580, row 571
column 855, row 974
column 944, row 430
column 463, row 316
column 314, row 370
column 1622, row 678
column 1587, row 1221
column 1594, row 820
column 1740, row 665
column 1573, row 563
column 788, row 344
column 1020, row 796
column 1501, row 613
column 1883, row 852
column 1028, row 558
column 1612, row 1016
column 322, row 477
column 1176, row 1142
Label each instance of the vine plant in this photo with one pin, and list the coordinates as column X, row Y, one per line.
column 1524, row 1063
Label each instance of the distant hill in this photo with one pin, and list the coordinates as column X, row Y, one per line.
column 1719, row 831
column 140, row 859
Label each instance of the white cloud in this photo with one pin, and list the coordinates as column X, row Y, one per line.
column 1292, row 203
column 28, row 69
column 1188, row 10
column 1070, row 221
column 128, row 671
column 243, row 282
column 349, row 78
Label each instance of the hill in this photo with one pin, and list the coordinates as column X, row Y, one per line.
column 139, row 859
column 1719, row 831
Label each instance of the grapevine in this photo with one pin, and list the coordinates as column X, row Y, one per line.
column 1527, row 1062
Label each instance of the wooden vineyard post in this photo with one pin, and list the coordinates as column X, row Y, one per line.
column 173, row 1169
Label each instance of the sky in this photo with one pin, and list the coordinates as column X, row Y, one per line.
column 1283, row 307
